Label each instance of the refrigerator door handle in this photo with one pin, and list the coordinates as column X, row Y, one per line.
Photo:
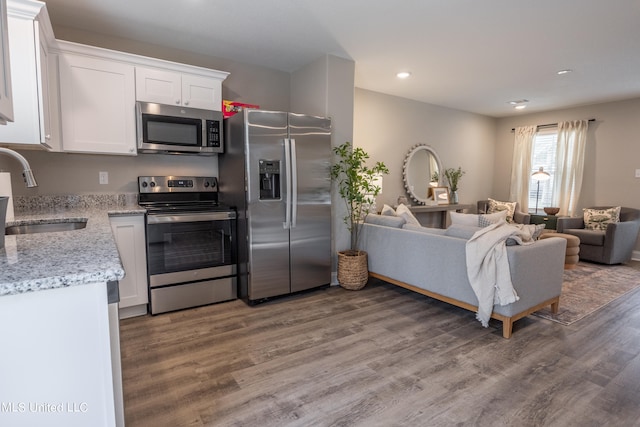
column 287, row 167
column 294, row 184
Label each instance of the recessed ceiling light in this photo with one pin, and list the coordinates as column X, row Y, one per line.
column 403, row 74
column 520, row 107
column 562, row 72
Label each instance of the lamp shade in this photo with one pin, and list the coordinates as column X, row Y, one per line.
column 541, row 175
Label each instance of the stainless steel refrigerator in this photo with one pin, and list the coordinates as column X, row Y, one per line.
column 276, row 171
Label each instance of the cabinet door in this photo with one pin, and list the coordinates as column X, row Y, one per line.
column 201, row 92
column 162, row 87
column 129, row 234
column 44, row 100
column 97, row 100
column 25, row 128
column 6, row 100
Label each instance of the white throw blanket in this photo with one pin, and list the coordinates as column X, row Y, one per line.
column 488, row 267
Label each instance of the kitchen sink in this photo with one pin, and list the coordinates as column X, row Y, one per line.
column 45, row 227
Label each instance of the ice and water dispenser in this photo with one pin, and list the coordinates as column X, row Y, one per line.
column 269, row 179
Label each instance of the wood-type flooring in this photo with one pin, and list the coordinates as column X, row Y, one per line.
column 382, row 356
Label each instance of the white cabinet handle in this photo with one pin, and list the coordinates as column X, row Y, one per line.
column 177, row 102
column 47, row 137
column 186, row 102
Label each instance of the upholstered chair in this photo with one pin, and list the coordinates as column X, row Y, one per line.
column 518, row 216
column 611, row 246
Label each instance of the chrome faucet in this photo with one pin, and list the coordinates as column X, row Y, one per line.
column 29, row 179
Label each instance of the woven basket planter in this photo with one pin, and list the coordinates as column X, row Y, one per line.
column 353, row 269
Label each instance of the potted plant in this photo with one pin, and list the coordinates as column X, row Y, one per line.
column 356, row 186
column 453, row 177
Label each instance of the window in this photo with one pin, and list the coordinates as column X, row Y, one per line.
column 544, row 155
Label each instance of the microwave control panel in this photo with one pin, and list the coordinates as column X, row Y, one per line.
column 213, row 133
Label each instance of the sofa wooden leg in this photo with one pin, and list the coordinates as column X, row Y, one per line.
column 555, row 306
column 507, row 328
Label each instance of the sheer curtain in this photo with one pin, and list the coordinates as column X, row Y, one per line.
column 567, row 183
column 521, row 167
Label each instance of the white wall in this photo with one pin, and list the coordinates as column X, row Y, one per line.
column 387, row 127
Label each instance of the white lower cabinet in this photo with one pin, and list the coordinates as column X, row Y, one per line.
column 97, row 102
column 129, row 234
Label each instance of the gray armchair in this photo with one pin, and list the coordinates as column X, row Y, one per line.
column 611, row 246
column 518, row 217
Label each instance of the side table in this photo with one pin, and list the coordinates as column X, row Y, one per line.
column 550, row 221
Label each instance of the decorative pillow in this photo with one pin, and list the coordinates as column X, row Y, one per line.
column 473, row 219
column 496, row 206
column 388, row 211
column 598, row 219
column 463, row 219
column 488, row 219
column 403, row 212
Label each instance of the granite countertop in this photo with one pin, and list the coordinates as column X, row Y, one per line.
column 40, row 261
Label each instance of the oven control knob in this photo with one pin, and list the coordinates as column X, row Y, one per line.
column 207, row 184
column 144, row 184
column 152, row 184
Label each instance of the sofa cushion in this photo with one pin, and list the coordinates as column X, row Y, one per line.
column 403, row 212
column 426, row 230
column 599, row 219
column 386, row 221
column 587, row 237
column 461, row 231
column 474, row 219
column 497, row 206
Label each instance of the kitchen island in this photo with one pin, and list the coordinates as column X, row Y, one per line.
column 60, row 358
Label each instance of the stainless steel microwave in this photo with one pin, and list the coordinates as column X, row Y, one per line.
column 174, row 129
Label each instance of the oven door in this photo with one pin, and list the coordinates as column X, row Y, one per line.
column 188, row 247
column 191, row 259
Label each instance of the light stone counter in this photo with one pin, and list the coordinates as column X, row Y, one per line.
column 39, row 261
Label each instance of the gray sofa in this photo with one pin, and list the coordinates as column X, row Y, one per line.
column 433, row 262
column 614, row 245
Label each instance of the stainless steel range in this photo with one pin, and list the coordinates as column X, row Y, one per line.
column 191, row 244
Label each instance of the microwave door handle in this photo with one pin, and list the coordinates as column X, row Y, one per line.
column 287, row 167
column 294, row 184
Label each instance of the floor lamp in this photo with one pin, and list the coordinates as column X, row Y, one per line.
column 540, row 175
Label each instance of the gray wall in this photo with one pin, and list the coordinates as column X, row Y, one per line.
column 611, row 158
column 387, row 127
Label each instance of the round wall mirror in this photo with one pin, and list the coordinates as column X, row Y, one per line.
column 421, row 168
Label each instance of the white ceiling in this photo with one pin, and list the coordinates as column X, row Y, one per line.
column 466, row 54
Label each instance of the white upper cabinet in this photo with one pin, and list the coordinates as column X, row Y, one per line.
column 176, row 88
column 97, row 104
column 30, row 35
column 6, row 100
column 98, row 88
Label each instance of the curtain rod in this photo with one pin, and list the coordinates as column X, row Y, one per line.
column 550, row 125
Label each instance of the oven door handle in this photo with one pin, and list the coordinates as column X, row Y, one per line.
column 189, row 217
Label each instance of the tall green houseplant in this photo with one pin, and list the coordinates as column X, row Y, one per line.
column 356, row 186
